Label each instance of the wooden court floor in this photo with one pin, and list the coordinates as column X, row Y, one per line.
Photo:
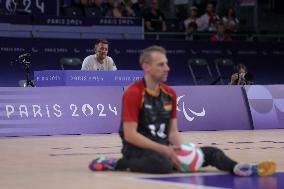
column 56, row 162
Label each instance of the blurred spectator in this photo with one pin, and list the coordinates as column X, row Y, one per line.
column 139, row 8
column 100, row 60
column 190, row 30
column 192, row 18
column 154, row 18
column 208, row 21
column 231, row 21
column 117, row 9
column 129, row 11
column 221, row 34
column 241, row 76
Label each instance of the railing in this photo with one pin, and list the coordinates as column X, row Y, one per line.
column 268, row 37
column 201, row 36
column 57, row 27
column 198, row 36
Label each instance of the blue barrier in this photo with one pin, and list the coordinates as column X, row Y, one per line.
column 81, row 110
column 86, row 78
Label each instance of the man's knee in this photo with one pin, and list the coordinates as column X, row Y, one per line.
column 161, row 165
column 210, row 150
column 210, row 154
column 150, row 162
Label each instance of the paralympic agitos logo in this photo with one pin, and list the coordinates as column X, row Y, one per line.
column 11, row 5
column 188, row 116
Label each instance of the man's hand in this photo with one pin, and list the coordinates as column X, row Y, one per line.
column 242, row 75
column 170, row 153
column 234, row 78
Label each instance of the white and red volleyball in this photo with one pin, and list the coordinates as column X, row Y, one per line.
column 190, row 156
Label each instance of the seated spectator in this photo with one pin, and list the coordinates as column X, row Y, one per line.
column 117, row 9
column 192, row 18
column 154, row 18
column 128, row 6
column 241, row 76
column 99, row 60
column 190, row 30
column 221, row 34
column 231, row 21
column 208, row 21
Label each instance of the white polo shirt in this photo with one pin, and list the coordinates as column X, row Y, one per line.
column 91, row 63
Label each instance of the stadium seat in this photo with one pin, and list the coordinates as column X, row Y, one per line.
column 92, row 12
column 227, row 66
column 23, row 83
column 70, row 62
column 173, row 25
column 73, row 12
column 200, row 70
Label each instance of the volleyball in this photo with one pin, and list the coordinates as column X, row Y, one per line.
column 190, row 156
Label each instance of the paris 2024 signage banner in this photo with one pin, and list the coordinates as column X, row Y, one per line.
column 266, row 104
column 212, row 108
column 59, row 110
column 97, row 109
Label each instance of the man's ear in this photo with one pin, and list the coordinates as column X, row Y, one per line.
column 145, row 66
column 95, row 48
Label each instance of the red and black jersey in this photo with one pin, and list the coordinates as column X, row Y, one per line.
column 151, row 111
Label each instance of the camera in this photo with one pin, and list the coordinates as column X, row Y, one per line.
column 246, row 78
column 25, row 58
